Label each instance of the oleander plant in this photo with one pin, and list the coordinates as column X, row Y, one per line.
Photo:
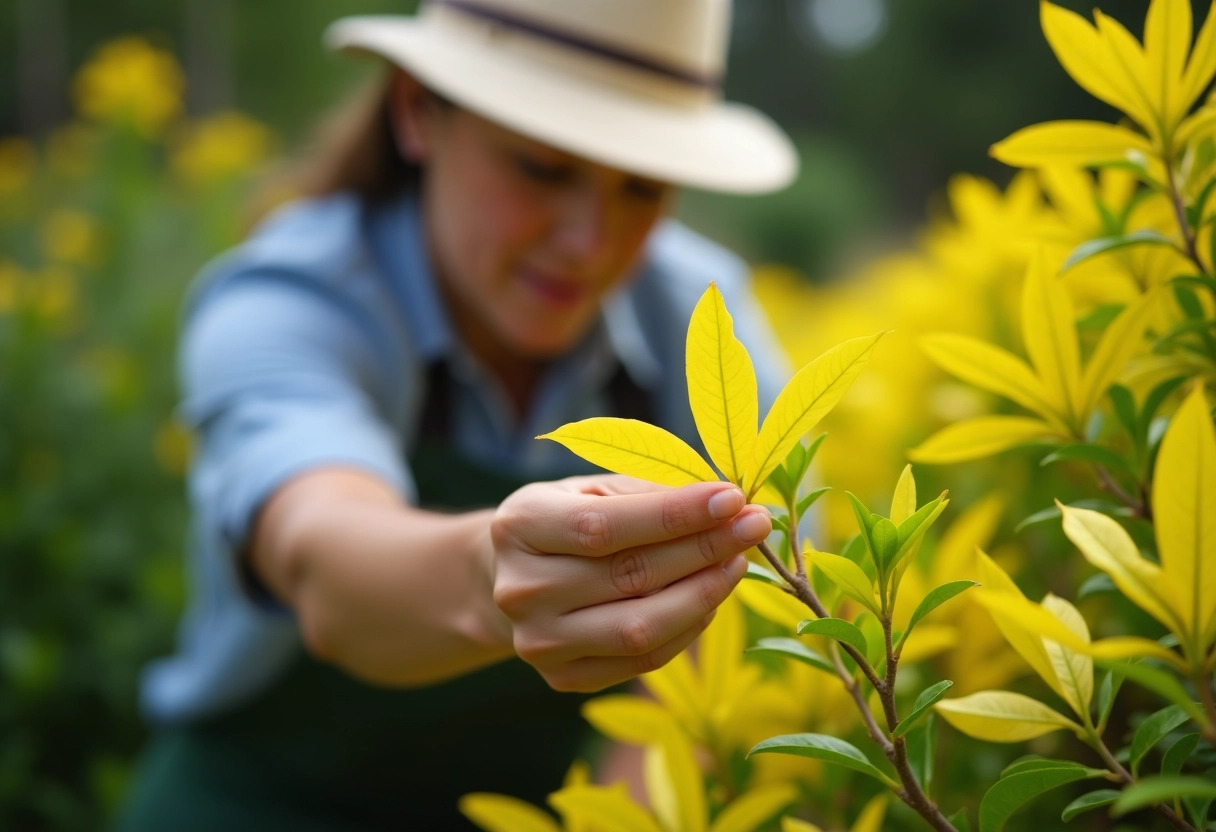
column 887, row 666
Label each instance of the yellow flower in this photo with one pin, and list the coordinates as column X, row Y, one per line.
column 17, row 162
column 130, row 81
column 219, row 147
column 70, row 236
column 1153, row 83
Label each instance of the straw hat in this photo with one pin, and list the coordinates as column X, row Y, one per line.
column 633, row 84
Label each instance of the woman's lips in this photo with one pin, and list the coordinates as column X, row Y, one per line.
column 554, row 290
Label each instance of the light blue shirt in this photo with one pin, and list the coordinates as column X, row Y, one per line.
column 308, row 346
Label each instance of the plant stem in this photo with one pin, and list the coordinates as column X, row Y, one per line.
column 896, row 751
column 1203, row 684
column 1095, row 742
column 1111, row 486
column 1188, row 236
column 799, row 564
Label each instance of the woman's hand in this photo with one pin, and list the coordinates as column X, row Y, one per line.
column 607, row 577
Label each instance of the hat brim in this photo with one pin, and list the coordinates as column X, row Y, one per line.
column 719, row 147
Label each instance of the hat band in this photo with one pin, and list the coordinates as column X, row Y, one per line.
column 574, row 41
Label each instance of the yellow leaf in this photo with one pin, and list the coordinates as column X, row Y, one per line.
column 812, row 392
column 1126, row 647
column 1106, row 545
column 1049, row 330
column 1201, row 66
column 1073, row 143
column 1198, row 123
column 675, row 685
column 773, row 604
column 1084, row 56
column 1117, row 346
column 629, row 719
column 848, row 576
column 674, row 784
column 1022, row 622
column 721, row 386
column 607, row 807
column 499, row 813
column 720, row 651
column 1000, row 716
column 991, row 368
column 1167, row 38
column 1126, row 62
column 1184, row 514
column 1074, row 669
column 789, row 824
column 871, row 817
column 903, row 502
column 980, row 437
column 751, row 809
column 627, row 446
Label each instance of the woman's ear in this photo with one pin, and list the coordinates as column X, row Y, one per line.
column 413, row 110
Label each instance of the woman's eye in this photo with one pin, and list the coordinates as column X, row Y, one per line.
column 646, row 190
column 543, row 172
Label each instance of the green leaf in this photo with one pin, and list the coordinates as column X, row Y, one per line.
column 935, row 599
column 756, row 572
column 1010, row 793
column 1111, row 682
column 780, row 481
column 1158, row 681
column 960, row 821
column 1177, row 754
column 871, row 630
column 1125, row 406
column 781, row 523
column 811, row 450
column 1097, row 584
column 809, row 500
column 1154, row 400
column 1188, row 302
column 1092, row 248
column 922, row 704
column 1194, row 212
column 921, row 741
column 848, row 576
column 822, row 747
column 1088, row 452
column 835, row 628
column 1152, row 731
column 795, row 649
column 885, row 537
column 865, row 519
column 1086, row 802
column 1152, row 790
column 1036, row 762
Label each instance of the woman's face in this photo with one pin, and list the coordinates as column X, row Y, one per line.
column 525, row 239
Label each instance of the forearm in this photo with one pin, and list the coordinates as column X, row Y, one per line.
column 390, row 593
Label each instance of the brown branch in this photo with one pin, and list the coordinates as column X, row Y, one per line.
column 1126, row 777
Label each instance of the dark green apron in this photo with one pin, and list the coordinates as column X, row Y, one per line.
column 322, row 751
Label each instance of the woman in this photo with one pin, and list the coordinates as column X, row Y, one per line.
column 398, row 592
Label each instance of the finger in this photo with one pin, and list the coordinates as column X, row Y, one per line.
column 638, row 626
column 643, row 570
column 553, row 521
column 590, row 675
column 611, row 485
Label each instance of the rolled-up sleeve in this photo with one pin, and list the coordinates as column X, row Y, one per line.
column 280, row 375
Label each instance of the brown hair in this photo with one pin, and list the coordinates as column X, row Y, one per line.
column 352, row 149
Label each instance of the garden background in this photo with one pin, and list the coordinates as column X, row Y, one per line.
column 136, row 134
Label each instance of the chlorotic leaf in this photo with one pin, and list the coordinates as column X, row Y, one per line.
column 1050, row 334
column 848, row 576
column 1184, row 515
column 1071, row 143
column 750, row 810
column 980, row 437
column 903, row 501
column 991, row 368
column 629, row 719
column 822, row 747
column 674, row 783
column 809, row 396
column 1001, row 716
column 609, row 808
column 721, row 386
column 638, row 449
column 500, row 813
column 1118, row 345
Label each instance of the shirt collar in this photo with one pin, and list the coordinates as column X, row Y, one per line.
column 398, row 240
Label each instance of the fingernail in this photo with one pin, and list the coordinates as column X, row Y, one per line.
column 753, row 527
column 725, row 504
column 735, row 567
